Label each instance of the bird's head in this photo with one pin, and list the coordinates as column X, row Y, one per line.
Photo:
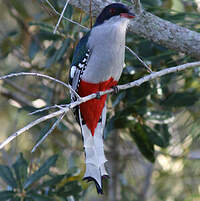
column 112, row 10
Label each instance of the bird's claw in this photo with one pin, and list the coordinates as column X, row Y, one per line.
column 98, row 95
column 116, row 89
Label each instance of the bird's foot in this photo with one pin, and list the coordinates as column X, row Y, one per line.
column 98, row 95
column 116, row 89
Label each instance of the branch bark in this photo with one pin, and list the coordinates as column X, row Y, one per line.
column 80, row 100
column 154, row 28
column 114, row 193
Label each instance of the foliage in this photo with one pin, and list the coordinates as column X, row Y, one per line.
column 27, row 185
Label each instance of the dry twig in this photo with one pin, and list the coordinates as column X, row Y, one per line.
column 64, row 110
column 61, row 16
column 49, row 132
column 72, row 21
column 39, row 75
column 128, row 48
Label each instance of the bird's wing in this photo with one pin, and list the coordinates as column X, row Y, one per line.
column 79, row 63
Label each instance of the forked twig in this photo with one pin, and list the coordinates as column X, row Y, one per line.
column 61, row 16
column 64, row 110
column 130, row 50
column 49, row 132
column 30, row 125
column 43, row 76
column 72, row 21
column 90, row 14
column 47, row 108
column 145, row 65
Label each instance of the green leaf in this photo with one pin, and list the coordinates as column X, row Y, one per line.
column 181, row 99
column 6, row 46
column 15, row 199
column 163, row 129
column 28, row 199
column 50, row 61
column 60, row 52
column 52, row 182
column 37, row 197
column 19, row 6
column 6, row 195
column 57, row 54
column 43, row 26
column 152, row 3
column 154, row 136
column 43, row 170
column 69, row 11
column 144, row 144
column 20, row 168
column 44, row 129
column 118, row 99
column 7, row 175
column 33, row 49
column 178, row 6
column 71, row 188
column 47, row 35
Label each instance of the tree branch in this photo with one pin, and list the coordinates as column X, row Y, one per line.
column 154, row 28
column 133, row 53
column 64, row 110
column 39, row 75
column 61, row 16
column 49, row 132
column 64, row 16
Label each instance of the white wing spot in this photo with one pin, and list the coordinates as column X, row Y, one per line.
column 72, row 72
column 80, row 65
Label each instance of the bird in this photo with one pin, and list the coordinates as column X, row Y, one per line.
column 97, row 65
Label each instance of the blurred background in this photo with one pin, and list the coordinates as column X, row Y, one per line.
column 152, row 133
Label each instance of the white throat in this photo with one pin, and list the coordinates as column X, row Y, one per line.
column 107, row 45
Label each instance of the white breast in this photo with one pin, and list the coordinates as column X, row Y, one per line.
column 107, row 45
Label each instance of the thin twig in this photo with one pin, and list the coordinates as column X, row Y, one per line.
column 49, row 132
column 60, row 18
column 145, row 65
column 47, row 108
column 90, row 14
column 39, row 75
column 30, row 125
column 131, row 51
column 64, row 16
column 138, row 82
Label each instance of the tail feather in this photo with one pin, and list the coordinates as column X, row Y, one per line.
column 103, row 171
column 99, row 189
column 94, row 151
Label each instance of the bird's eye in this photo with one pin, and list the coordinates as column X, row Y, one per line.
column 112, row 10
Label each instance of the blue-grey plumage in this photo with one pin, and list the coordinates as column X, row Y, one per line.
column 98, row 58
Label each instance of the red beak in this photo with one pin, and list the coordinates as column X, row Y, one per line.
column 127, row 15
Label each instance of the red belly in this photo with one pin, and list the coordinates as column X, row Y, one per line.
column 92, row 109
